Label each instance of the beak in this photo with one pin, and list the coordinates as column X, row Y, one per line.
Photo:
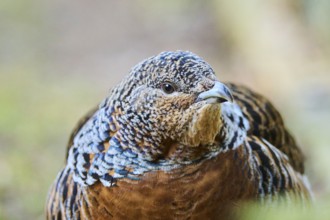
column 219, row 93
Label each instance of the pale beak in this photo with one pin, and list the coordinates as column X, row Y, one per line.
column 217, row 94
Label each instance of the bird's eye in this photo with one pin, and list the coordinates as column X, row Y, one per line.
column 168, row 88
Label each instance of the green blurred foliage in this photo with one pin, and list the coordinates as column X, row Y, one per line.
column 318, row 211
column 34, row 130
column 59, row 58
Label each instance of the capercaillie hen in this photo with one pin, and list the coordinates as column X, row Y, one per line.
column 173, row 142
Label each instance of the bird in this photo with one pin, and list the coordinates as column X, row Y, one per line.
column 171, row 141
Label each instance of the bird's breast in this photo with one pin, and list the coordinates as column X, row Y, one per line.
column 202, row 190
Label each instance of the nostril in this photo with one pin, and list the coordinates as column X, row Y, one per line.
column 221, row 100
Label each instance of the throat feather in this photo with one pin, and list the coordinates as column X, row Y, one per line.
column 204, row 127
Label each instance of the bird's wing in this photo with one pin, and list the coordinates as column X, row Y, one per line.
column 275, row 174
column 266, row 122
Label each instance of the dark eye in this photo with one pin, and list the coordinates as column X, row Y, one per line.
column 168, row 88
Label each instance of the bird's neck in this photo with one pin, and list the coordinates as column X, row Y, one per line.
column 234, row 129
column 151, row 147
column 108, row 147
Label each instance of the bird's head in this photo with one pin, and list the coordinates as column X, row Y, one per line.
column 175, row 97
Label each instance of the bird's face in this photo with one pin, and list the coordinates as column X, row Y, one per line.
column 178, row 98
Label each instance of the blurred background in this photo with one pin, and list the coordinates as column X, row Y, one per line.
column 60, row 58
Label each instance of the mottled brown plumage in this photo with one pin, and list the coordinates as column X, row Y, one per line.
column 172, row 142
